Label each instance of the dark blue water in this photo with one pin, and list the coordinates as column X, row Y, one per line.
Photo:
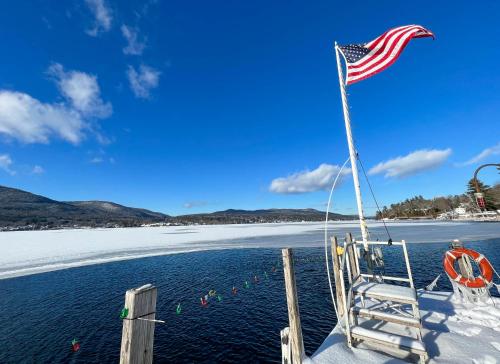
column 41, row 314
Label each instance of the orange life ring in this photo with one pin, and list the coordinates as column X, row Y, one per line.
column 484, row 280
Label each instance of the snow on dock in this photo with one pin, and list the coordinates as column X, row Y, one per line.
column 453, row 332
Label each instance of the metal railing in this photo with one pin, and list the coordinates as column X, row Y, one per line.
column 402, row 244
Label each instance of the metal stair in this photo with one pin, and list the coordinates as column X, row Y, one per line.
column 387, row 292
column 387, row 339
column 385, row 317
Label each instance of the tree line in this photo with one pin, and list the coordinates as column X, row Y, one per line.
column 419, row 207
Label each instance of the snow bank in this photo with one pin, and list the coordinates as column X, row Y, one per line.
column 29, row 252
column 453, row 332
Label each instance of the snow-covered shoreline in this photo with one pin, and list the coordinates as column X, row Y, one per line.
column 31, row 252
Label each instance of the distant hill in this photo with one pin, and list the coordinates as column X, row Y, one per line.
column 21, row 209
column 114, row 209
column 258, row 216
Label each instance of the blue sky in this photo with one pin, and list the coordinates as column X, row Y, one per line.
column 184, row 107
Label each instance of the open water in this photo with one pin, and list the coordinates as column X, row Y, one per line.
column 41, row 314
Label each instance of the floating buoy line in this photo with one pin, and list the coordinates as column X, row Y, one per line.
column 212, row 295
column 215, row 296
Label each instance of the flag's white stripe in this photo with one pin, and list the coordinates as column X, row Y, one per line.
column 354, row 68
column 382, row 64
column 392, row 33
column 368, row 45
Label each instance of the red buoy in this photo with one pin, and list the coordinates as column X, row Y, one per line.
column 75, row 345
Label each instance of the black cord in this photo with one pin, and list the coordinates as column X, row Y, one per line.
column 374, row 199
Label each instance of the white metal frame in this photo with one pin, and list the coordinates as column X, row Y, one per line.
column 401, row 243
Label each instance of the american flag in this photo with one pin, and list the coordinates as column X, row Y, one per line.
column 365, row 60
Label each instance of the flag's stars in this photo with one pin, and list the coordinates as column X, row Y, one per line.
column 354, row 52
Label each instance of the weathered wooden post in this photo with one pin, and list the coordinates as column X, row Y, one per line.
column 353, row 261
column 339, row 292
column 286, row 349
column 139, row 325
column 293, row 307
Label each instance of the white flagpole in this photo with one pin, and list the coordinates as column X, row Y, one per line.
column 352, row 151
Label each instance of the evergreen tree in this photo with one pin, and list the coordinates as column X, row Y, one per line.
column 486, row 190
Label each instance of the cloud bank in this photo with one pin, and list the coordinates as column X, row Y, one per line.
column 413, row 163
column 318, row 179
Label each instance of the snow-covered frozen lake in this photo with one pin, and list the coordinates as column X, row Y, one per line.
column 30, row 252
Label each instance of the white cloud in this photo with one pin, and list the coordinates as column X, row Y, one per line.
column 37, row 170
column 415, row 162
column 6, row 163
column 320, row 178
column 134, row 45
column 97, row 160
column 30, row 120
column 102, row 15
column 144, row 81
column 191, row 204
column 27, row 119
column 494, row 150
column 81, row 90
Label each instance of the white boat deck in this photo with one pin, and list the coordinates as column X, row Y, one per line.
column 453, row 332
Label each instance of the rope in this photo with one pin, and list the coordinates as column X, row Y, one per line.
column 326, row 238
column 433, row 284
column 492, row 267
column 374, row 199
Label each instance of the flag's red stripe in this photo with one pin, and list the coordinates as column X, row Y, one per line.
column 397, row 35
column 394, row 40
column 373, row 44
column 371, row 73
column 352, row 70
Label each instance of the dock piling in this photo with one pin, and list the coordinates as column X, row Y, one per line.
column 295, row 334
column 138, row 330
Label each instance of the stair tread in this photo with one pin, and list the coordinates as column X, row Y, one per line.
column 386, row 291
column 387, row 316
column 402, row 342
